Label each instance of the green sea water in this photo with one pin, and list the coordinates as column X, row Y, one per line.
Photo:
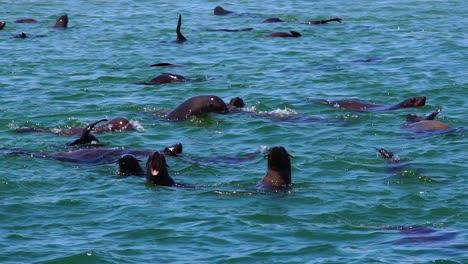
column 345, row 206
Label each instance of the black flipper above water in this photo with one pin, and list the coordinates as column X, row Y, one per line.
column 86, row 137
column 180, row 37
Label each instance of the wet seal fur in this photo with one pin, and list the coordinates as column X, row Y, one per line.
column 220, row 11
column 26, row 20
column 2, row 24
column 117, row 124
column 272, row 20
column 157, row 173
column 62, row 22
column 167, row 78
column 293, row 34
column 428, row 124
column 321, row 22
column 198, row 105
column 363, row 106
column 278, row 175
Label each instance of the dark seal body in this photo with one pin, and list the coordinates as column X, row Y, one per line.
column 220, row 11
column 272, row 20
column 321, row 22
column 166, row 78
column 198, row 105
column 278, row 175
column 363, row 106
column 62, row 22
column 156, row 170
column 293, row 34
column 2, row 24
column 26, row 20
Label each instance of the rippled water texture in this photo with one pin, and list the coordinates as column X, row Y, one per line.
column 346, row 205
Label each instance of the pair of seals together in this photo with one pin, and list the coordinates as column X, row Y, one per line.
column 278, row 175
column 60, row 23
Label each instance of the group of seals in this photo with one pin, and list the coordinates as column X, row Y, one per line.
column 220, row 11
column 60, row 23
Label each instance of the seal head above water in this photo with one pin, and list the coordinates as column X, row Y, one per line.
column 278, row 175
column 62, row 22
column 220, row 11
column 156, row 170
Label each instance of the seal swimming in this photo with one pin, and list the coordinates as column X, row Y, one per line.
column 293, row 34
column 117, row 124
column 363, row 106
column 62, row 22
column 220, row 11
column 321, row 22
column 91, row 155
column 278, row 174
column 2, row 24
column 198, row 105
column 26, row 20
column 272, row 20
column 428, row 124
column 167, row 77
column 231, row 30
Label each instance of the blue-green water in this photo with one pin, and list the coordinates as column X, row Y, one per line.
column 344, row 201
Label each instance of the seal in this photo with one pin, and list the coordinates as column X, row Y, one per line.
column 293, row 34
column 62, row 22
column 117, row 124
column 272, row 20
column 321, row 22
column 157, row 173
column 220, row 11
column 26, row 20
column 166, row 77
column 129, row 165
column 278, row 174
column 231, row 30
column 86, row 137
column 2, row 24
column 363, row 106
column 198, row 105
column 21, row 36
column 180, row 38
column 428, row 124
column 165, row 64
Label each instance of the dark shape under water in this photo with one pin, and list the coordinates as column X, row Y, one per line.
column 364, row 106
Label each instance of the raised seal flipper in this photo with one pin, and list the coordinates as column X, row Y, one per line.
column 86, row 137
column 180, row 37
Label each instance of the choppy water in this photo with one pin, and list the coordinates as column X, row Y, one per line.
column 344, row 202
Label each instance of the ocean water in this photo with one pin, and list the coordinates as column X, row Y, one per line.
column 345, row 206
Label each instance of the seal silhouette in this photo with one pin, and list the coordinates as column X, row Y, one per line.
column 117, row 124
column 62, row 22
column 26, row 20
column 157, row 173
column 2, row 24
column 363, row 106
column 92, row 155
column 278, row 175
column 428, row 124
column 220, row 11
column 321, row 22
column 129, row 165
column 293, row 34
column 198, row 105
column 272, row 20
column 167, row 78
